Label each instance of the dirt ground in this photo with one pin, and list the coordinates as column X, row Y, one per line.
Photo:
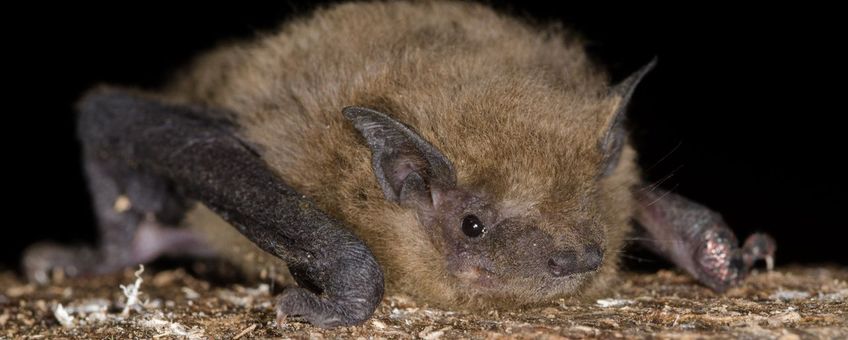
column 789, row 303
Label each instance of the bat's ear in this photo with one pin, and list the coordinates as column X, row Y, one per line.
column 408, row 168
column 614, row 134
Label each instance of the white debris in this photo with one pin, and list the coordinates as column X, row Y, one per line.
column 834, row 297
column 246, row 331
column 155, row 304
column 89, row 306
column 63, row 317
column 428, row 334
column 232, row 297
column 586, row 329
column 167, row 328
column 245, row 296
column 788, row 295
column 260, row 290
column 788, row 317
column 378, row 324
column 131, row 292
column 190, row 294
column 613, row 302
column 96, row 311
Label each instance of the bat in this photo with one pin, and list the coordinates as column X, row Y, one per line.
column 439, row 149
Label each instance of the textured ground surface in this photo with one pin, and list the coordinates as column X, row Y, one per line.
column 789, row 303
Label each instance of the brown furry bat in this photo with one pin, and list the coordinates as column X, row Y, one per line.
column 474, row 160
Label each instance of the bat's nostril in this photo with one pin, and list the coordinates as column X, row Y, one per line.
column 568, row 262
column 594, row 256
column 563, row 263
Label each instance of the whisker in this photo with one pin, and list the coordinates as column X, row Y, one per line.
column 679, row 143
column 653, row 186
column 625, row 254
column 636, row 258
column 647, row 239
column 633, row 240
column 663, row 195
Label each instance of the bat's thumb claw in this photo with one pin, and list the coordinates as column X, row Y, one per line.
column 759, row 246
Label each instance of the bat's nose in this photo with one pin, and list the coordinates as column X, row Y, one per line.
column 567, row 262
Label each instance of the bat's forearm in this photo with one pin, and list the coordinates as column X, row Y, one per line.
column 204, row 160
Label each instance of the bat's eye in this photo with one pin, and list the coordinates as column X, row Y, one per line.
column 472, row 227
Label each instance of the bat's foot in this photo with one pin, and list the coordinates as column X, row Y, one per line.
column 42, row 260
column 318, row 310
column 721, row 264
column 757, row 247
column 717, row 259
column 150, row 241
column 334, row 291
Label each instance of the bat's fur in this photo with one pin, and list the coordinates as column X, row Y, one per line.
column 518, row 109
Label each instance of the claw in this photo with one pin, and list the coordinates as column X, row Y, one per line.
column 41, row 259
column 314, row 309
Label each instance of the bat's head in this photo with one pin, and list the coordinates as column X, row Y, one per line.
column 524, row 222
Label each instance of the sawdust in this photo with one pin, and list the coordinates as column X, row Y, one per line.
column 790, row 303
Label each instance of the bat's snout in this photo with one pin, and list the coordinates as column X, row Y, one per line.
column 568, row 262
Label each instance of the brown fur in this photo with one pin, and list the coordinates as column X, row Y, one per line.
column 518, row 109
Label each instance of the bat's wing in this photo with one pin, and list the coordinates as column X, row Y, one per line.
column 161, row 155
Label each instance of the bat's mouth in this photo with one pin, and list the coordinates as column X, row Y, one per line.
column 477, row 276
column 528, row 289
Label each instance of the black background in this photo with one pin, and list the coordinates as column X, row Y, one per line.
column 743, row 113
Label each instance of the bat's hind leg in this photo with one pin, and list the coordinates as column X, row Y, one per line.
column 135, row 213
